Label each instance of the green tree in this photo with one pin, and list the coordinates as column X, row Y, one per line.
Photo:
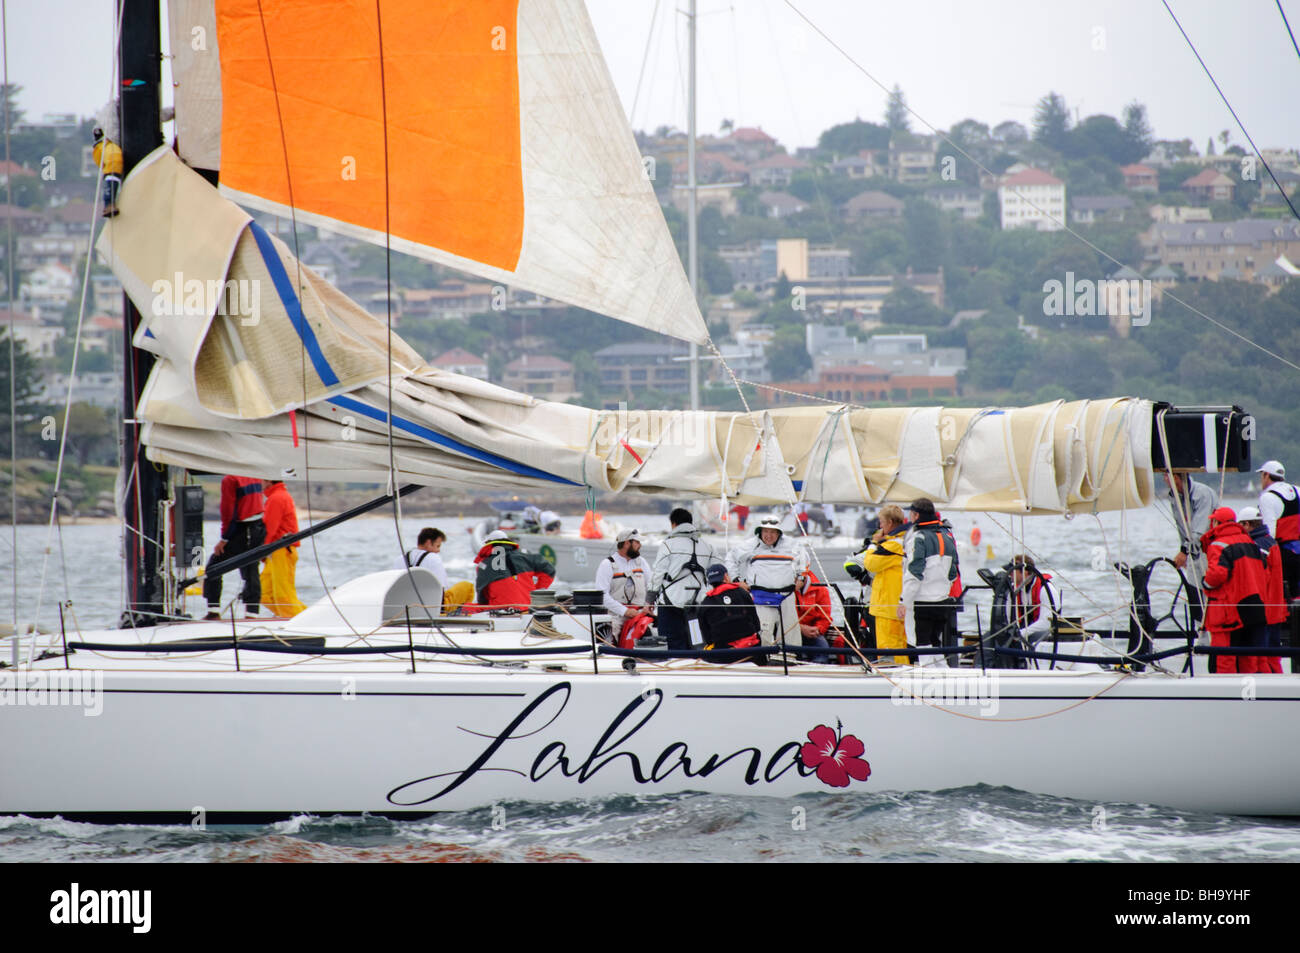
column 907, row 306
column 1052, row 122
column 26, row 378
column 850, row 138
column 1101, row 136
column 787, row 355
column 896, row 115
column 91, row 433
column 1137, row 130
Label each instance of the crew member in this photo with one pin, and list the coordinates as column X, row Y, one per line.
column 280, row 517
column 767, row 565
column 507, row 574
column 1236, row 581
column 428, row 555
column 624, row 577
column 679, row 579
column 1032, row 597
column 883, row 559
column 108, row 156
column 728, row 619
column 241, row 530
column 929, row 572
column 1192, row 504
column 813, row 601
column 1275, row 608
column 1279, row 508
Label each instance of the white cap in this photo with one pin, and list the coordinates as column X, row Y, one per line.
column 1248, row 513
column 627, row 534
column 497, row 536
column 1274, row 469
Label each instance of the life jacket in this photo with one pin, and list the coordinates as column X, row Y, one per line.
column 814, row 603
column 1030, row 614
column 634, row 583
column 1288, row 524
column 510, row 586
column 634, row 626
column 727, row 616
column 1275, row 608
column 691, row 569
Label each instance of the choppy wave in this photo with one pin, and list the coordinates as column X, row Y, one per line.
column 979, row 823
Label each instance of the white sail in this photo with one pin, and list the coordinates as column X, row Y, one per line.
column 506, row 152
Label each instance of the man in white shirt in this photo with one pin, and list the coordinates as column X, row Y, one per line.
column 624, row 577
column 1279, row 508
column 426, row 555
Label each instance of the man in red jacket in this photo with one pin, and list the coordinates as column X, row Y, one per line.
column 1236, row 581
column 506, row 574
column 813, row 599
column 242, row 529
column 1275, row 607
column 279, row 589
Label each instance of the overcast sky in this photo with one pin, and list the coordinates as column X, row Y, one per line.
column 761, row 64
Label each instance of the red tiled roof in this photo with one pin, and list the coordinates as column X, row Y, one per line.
column 1208, row 177
column 1137, row 169
column 456, row 356
column 750, row 134
column 539, row 362
column 1032, row 177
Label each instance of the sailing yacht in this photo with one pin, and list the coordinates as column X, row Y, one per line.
column 488, row 137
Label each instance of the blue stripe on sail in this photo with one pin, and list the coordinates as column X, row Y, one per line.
column 280, row 278
column 351, row 403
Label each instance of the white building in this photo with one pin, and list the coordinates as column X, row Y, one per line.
column 1032, row 198
column 49, row 286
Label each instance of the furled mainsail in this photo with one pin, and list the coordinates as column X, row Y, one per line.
column 276, row 340
column 505, row 154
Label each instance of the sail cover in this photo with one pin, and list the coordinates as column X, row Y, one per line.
column 265, row 369
column 485, row 135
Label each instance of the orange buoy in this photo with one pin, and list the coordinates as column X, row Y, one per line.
column 975, row 536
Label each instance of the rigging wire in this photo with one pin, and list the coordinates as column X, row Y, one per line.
column 1223, row 96
column 1288, row 27
column 72, row 378
column 9, row 288
column 645, row 58
column 1064, row 225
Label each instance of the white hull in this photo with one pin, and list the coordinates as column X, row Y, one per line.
column 176, row 734
column 281, row 744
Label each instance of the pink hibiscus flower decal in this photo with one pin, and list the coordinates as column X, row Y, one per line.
column 835, row 756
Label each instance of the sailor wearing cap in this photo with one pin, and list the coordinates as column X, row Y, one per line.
column 1032, row 597
column 767, row 565
column 929, row 571
column 1279, row 508
column 624, row 576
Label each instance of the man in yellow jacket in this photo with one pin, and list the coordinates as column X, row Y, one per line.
column 884, row 560
column 108, row 157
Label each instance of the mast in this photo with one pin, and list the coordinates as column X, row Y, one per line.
column 144, row 485
column 692, row 226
